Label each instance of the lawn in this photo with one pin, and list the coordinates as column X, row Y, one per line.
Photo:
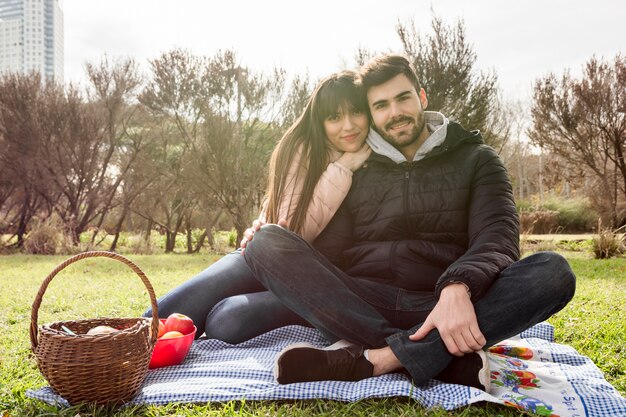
column 594, row 323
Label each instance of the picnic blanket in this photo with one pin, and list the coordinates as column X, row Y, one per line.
column 528, row 372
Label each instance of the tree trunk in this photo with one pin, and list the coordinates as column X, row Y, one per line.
column 189, row 237
column 172, row 234
column 207, row 234
column 210, row 238
column 114, row 243
column 118, row 228
column 148, row 230
column 240, row 227
column 98, row 226
column 200, row 241
column 170, row 241
column 520, row 175
column 73, row 230
column 21, row 228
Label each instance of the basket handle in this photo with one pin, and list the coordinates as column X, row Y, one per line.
column 44, row 285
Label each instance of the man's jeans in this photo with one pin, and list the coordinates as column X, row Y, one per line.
column 376, row 314
column 226, row 302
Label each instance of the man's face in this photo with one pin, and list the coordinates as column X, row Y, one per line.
column 398, row 112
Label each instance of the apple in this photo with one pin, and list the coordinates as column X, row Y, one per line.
column 171, row 334
column 180, row 323
column 101, row 330
column 161, row 329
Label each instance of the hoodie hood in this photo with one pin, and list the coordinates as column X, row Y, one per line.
column 437, row 125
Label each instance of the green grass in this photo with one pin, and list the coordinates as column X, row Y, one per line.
column 594, row 323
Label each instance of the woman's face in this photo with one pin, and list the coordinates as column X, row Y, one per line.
column 347, row 129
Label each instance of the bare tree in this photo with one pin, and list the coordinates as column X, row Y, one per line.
column 227, row 119
column 83, row 141
column 139, row 176
column 175, row 95
column 239, row 131
column 67, row 154
column 114, row 85
column 516, row 150
column 166, row 163
column 444, row 61
column 7, row 188
column 295, row 100
column 584, row 122
column 23, row 103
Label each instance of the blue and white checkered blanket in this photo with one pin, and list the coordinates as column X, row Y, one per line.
column 528, row 372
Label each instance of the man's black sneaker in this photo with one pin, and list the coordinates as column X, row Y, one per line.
column 303, row 363
column 471, row 369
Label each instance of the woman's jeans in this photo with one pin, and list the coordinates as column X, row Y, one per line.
column 375, row 314
column 226, row 302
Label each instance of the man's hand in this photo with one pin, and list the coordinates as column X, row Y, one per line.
column 248, row 234
column 455, row 318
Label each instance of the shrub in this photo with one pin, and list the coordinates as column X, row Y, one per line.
column 607, row 243
column 575, row 245
column 524, row 205
column 556, row 215
column 5, row 248
column 137, row 244
column 538, row 222
column 222, row 241
column 46, row 236
column 232, row 238
column 574, row 215
column 528, row 246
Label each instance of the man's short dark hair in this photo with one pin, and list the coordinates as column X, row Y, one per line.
column 383, row 68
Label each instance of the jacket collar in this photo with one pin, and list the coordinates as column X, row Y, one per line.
column 437, row 125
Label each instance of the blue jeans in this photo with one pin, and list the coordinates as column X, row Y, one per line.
column 376, row 314
column 226, row 302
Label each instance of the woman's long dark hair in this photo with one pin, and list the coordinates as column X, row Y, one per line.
column 307, row 133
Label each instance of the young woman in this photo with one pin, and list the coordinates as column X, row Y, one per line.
column 309, row 176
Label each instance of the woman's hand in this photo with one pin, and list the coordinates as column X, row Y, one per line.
column 248, row 234
column 355, row 160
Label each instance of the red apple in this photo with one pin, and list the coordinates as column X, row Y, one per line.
column 171, row 334
column 180, row 323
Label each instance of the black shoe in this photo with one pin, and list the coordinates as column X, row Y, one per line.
column 471, row 370
column 304, row 363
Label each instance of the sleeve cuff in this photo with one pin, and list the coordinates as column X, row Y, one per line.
column 455, row 281
column 342, row 168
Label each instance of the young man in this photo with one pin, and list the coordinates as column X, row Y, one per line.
column 419, row 269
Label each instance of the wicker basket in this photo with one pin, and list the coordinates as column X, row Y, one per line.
column 104, row 368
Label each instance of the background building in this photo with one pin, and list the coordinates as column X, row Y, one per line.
column 31, row 37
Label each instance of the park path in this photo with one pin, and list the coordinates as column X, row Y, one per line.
column 559, row 237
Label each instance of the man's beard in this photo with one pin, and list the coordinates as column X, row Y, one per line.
column 406, row 138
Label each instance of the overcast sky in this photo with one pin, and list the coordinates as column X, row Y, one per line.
column 521, row 40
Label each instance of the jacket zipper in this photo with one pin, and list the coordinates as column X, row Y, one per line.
column 405, row 208
column 407, row 178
